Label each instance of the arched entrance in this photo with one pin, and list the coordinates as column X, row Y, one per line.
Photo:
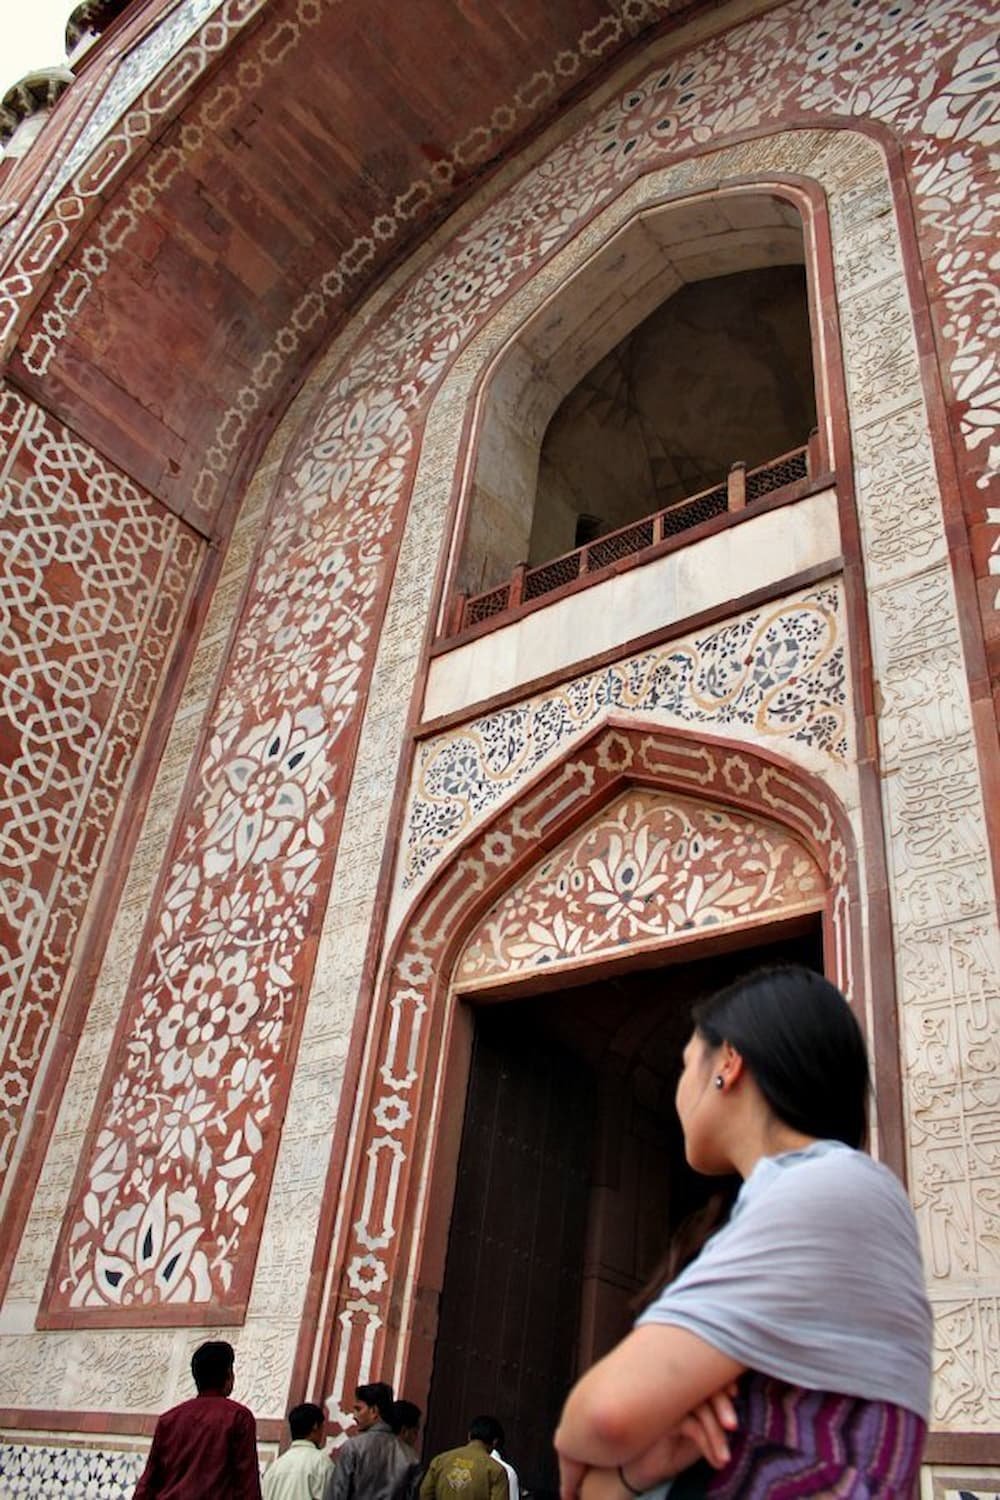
column 666, row 790
column 574, row 991
column 571, row 1182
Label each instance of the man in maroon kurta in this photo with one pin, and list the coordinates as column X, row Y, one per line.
column 204, row 1449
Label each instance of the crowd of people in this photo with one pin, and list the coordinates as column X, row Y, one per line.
column 206, row 1449
column 788, row 1352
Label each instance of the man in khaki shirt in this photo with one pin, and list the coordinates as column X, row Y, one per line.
column 467, row 1473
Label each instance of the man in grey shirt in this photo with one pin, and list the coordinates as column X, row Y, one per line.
column 372, row 1463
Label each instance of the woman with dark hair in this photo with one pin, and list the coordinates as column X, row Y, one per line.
column 793, row 1353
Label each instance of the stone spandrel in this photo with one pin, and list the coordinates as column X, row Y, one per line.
column 648, row 868
column 735, row 679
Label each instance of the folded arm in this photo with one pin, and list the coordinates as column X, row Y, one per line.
column 632, row 1408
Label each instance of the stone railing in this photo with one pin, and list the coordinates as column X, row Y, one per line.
column 742, row 487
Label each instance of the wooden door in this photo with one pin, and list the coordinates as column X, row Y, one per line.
column 510, row 1304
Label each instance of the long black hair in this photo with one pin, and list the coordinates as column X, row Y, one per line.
column 689, row 1239
column 803, row 1045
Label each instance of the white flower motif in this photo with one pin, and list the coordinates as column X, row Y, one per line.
column 415, row 968
column 626, row 878
column 703, row 903
column 391, row 1112
column 261, row 795
column 217, row 1003
column 149, row 1254
column 545, row 943
column 978, row 386
column 367, row 1274
column 498, row 848
column 181, row 1133
column 968, row 106
column 170, row 1023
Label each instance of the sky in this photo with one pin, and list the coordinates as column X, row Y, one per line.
column 32, row 36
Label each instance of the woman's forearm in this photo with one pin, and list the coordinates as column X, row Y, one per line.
column 638, row 1393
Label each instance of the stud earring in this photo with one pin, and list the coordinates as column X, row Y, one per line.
column 719, row 1080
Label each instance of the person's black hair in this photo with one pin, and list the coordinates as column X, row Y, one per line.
column 212, row 1364
column 378, row 1394
column 803, row 1045
column 404, row 1414
column 303, row 1420
column 688, row 1240
column 486, row 1430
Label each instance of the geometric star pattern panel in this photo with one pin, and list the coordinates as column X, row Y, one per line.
column 94, row 577
column 33, row 1470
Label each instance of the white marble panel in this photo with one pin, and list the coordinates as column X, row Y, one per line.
column 760, row 551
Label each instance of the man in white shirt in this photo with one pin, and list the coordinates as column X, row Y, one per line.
column 302, row 1471
column 497, row 1444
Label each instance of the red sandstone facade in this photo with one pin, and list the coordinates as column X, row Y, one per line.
column 278, row 822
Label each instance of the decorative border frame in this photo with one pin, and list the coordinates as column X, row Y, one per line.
column 776, row 676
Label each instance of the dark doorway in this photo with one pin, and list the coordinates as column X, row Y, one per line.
column 511, row 1299
column 571, row 1180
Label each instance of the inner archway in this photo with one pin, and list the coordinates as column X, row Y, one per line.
column 571, row 1182
column 720, row 373
column 683, row 346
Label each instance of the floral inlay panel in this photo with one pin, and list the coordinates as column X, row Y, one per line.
column 778, row 674
column 95, row 575
column 196, row 1090
column 649, row 869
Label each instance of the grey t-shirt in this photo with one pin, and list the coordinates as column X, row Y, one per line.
column 816, row 1280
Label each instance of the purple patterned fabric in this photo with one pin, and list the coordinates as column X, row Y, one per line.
column 793, row 1442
